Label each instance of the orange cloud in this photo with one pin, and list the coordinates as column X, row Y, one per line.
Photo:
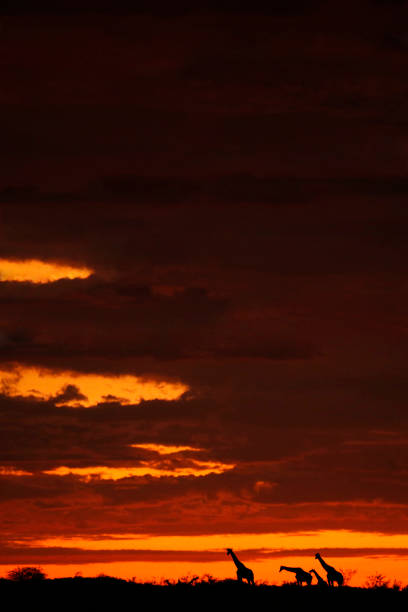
column 10, row 471
column 195, row 468
column 165, row 449
column 36, row 271
column 74, row 389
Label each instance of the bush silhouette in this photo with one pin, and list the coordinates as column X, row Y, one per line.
column 20, row 574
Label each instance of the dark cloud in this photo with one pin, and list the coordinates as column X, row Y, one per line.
column 189, row 324
column 14, row 338
column 63, row 556
column 127, row 191
column 236, row 180
column 179, row 7
column 68, row 394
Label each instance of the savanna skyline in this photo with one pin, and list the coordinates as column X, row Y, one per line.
column 203, row 288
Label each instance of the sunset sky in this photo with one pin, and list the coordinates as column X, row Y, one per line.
column 204, row 287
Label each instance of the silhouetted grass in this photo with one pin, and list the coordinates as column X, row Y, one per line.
column 107, row 593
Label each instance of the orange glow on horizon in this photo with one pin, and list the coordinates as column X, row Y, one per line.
column 39, row 272
column 268, row 571
column 147, row 571
column 93, row 388
column 358, row 568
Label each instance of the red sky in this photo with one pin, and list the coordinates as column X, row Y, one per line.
column 203, row 287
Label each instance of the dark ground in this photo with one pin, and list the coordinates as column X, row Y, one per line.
column 113, row 594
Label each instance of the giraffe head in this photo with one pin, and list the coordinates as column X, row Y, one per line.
column 317, row 556
column 229, row 551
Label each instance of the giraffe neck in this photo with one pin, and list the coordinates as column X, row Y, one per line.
column 235, row 559
column 324, row 564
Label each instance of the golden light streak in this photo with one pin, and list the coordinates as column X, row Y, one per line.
column 198, row 468
column 47, row 384
column 239, row 541
column 36, row 271
column 164, row 449
column 9, row 471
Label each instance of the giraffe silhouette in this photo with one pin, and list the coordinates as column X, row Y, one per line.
column 243, row 572
column 320, row 581
column 300, row 574
column 332, row 574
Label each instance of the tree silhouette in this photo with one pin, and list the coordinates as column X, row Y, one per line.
column 347, row 575
column 377, row 581
column 19, row 574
